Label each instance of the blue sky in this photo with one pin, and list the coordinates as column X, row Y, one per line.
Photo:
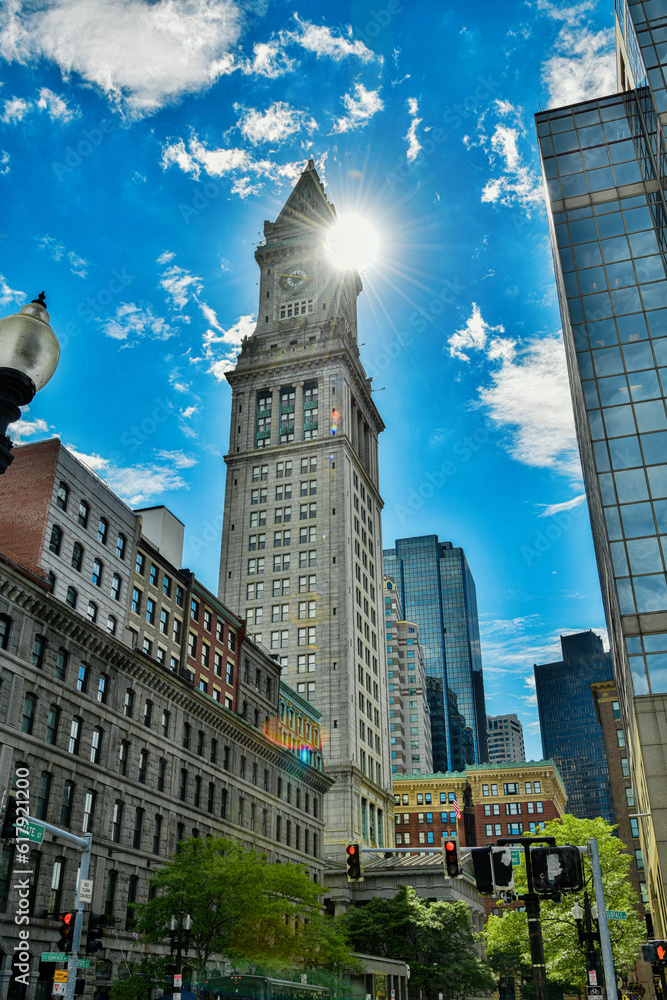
column 143, row 144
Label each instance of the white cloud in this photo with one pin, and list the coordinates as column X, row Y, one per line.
column 180, row 285
column 414, row 146
column 166, row 257
column 276, row 124
column 232, row 161
column 222, row 359
column 323, row 42
column 135, row 484
column 360, row 108
column 23, row 428
column 571, row 16
column 4, row 162
column 14, row 110
column 514, row 181
column 8, row 294
column 473, row 335
column 556, row 508
column 583, row 67
column 141, row 55
column 58, row 251
column 188, row 412
column 56, row 106
column 133, row 321
column 178, row 459
column 539, row 435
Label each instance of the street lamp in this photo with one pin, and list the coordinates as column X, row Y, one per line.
column 29, row 352
column 180, row 942
column 587, row 937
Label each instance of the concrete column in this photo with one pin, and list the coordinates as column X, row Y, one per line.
column 353, row 424
column 275, row 416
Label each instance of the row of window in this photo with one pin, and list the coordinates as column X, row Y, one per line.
column 308, row 487
column 513, row 788
column 513, row 829
column 282, row 515
column 281, row 563
column 423, row 838
column 260, row 473
column 281, row 539
column 513, row 808
column 423, row 798
column 404, row 818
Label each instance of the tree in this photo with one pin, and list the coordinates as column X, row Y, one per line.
column 508, row 935
column 435, row 939
column 242, row 908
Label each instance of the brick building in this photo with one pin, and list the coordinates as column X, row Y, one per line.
column 424, row 809
column 514, row 799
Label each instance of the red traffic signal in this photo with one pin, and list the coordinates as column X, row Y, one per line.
column 353, row 862
column 661, row 951
column 451, row 857
column 66, row 931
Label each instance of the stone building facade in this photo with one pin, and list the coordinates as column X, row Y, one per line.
column 504, row 734
column 301, row 542
column 425, row 812
column 137, row 755
column 409, row 718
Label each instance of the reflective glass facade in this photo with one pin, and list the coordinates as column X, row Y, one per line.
column 571, row 733
column 438, row 593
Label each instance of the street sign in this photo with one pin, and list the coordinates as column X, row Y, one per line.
column 60, row 976
column 178, row 980
column 54, row 956
column 616, row 915
column 32, row 831
column 594, row 992
column 592, row 977
column 59, row 989
column 516, row 854
column 393, row 995
column 83, row 963
column 86, row 890
column 176, row 996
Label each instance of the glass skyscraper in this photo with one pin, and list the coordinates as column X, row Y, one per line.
column 571, row 732
column 605, row 169
column 438, row 593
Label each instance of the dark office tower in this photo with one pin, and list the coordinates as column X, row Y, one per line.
column 571, row 733
column 438, row 593
column 605, row 169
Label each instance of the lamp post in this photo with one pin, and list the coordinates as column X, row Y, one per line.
column 29, row 352
column 587, row 937
column 180, row 942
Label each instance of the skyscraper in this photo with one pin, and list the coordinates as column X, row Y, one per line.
column 571, row 732
column 438, row 593
column 504, row 735
column 301, row 539
column 604, row 168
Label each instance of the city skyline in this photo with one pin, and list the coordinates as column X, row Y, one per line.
column 138, row 217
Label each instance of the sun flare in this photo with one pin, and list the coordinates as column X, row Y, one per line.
column 352, row 243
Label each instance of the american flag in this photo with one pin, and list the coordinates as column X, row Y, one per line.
column 456, row 809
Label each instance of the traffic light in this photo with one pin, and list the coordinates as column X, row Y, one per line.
column 9, row 819
column 96, row 924
column 80, row 987
column 655, row 952
column 556, row 869
column 451, row 857
column 353, row 861
column 493, row 869
column 66, row 931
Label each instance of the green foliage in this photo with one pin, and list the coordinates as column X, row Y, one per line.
column 140, row 979
column 242, row 908
column 434, row 938
column 507, row 936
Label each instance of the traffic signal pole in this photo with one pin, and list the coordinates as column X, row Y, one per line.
column 84, row 845
column 605, row 940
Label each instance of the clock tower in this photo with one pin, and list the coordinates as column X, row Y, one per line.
column 301, row 552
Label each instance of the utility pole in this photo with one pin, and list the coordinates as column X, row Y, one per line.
column 605, row 940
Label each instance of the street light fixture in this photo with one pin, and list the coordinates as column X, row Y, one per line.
column 29, row 352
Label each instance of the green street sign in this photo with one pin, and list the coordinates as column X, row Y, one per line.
column 54, row 956
column 616, row 915
column 31, row 831
column 516, row 854
column 83, row 963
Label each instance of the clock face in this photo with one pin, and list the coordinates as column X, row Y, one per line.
column 294, row 277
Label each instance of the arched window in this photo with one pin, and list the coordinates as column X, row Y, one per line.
column 56, row 540
column 57, row 880
column 102, row 529
column 89, row 810
column 92, row 611
column 111, row 625
column 115, row 587
column 67, row 804
column 157, row 834
column 72, row 597
column 183, row 786
column 82, row 678
column 129, row 703
column 103, row 689
column 75, row 735
column 52, row 582
column 28, row 717
column 62, row 659
column 138, row 828
column 110, row 901
column 52, row 724
column 98, row 569
column 148, row 713
column 43, row 794
column 62, row 496
column 132, row 892
column 143, row 766
column 84, row 510
column 77, row 556
column 117, row 821
column 38, row 651
column 120, row 547
column 96, row 745
column 5, row 630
